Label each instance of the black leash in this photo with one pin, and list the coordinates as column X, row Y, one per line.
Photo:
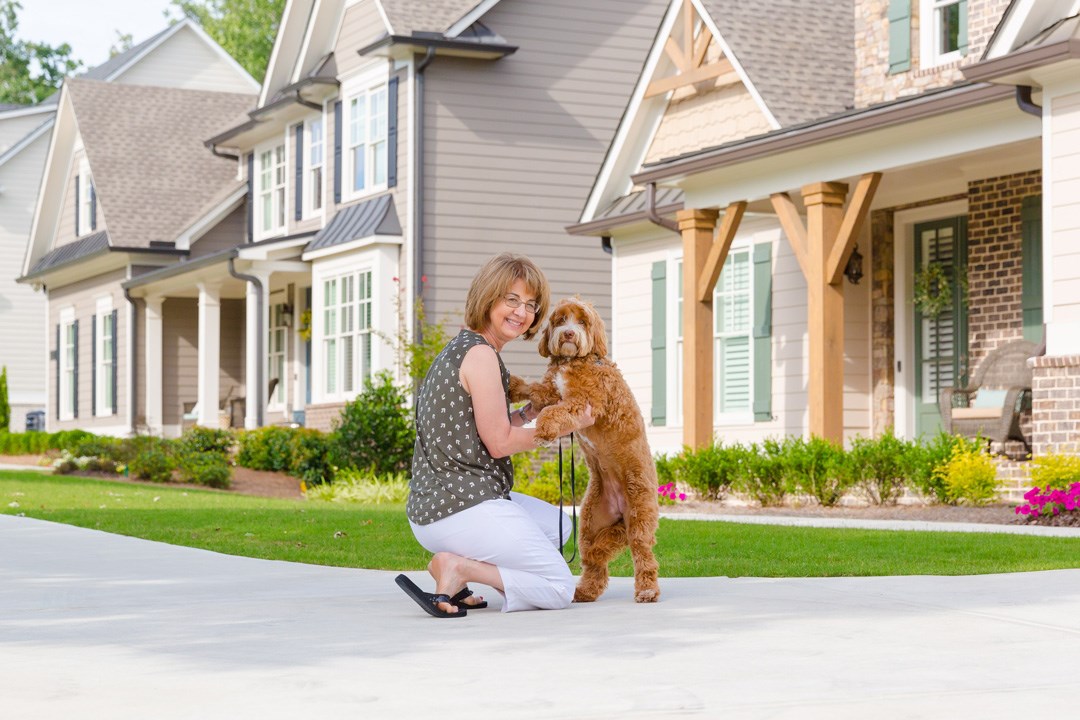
column 573, row 500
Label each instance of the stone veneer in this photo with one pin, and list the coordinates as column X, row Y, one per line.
column 874, row 84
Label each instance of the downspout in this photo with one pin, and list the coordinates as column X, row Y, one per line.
column 307, row 103
column 1023, row 100
column 133, row 405
column 258, row 392
column 650, row 210
column 228, row 156
column 418, row 178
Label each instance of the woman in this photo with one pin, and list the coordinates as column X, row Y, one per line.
column 460, row 506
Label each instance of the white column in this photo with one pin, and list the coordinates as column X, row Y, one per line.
column 209, row 353
column 255, row 389
column 152, row 347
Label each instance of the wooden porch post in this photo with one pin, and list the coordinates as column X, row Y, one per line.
column 825, row 309
column 697, row 228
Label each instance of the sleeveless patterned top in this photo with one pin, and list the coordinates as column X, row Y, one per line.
column 452, row 470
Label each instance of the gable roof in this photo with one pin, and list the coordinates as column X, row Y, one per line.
column 411, row 16
column 145, row 149
column 800, row 56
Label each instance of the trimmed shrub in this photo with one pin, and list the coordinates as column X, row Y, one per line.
column 67, row 439
column 200, row 439
column 153, row 464
column 267, row 448
column 1055, row 471
column 711, row 470
column 927, row 458
column 205, row 468
column 5, row 406
column 816, row 467
column 375, row 431
column 880, row 465
column 968, row 477
column 761, row 473
column 310, row 456
column 31, row 443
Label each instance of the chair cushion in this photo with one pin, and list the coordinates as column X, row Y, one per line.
column 989, row 399
column 976, row 413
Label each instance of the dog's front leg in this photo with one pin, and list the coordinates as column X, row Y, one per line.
column 519, row 389
column 560, row 419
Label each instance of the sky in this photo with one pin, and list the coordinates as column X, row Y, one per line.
column 90, row 26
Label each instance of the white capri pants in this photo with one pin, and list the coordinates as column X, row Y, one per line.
column 520, row 537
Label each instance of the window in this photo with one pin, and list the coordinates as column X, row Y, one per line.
column 68, row 368
column 347, row 332
column 271, row 189
column 367, row 139
column 316, row 152
column 944, row 31
column 105, row 354
column 86, row 220
column 732, row 316
column 276, row 343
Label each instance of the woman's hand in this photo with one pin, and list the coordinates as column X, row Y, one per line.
column 585, row 419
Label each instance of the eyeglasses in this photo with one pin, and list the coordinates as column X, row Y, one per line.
column 514, row 302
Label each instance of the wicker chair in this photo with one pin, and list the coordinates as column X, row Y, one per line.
column 991, row 405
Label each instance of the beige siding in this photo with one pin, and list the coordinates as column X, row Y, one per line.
column 513, row 147
column 22, row 311
column 1064, row 216
column 12, row 130
column 361, row 26
column 228, row 233
column 180, row 343
column 185, row 61
column 705, row 120
column 82, row 297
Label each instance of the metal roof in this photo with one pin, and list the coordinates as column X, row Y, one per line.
column 89, row 245
column 376, row 216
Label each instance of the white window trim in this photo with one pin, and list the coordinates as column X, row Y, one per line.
column 67, row 409
column 929, row 31
column 82, row 203
column 102, row 362
column 309, row 210
column 275, row 211
column 272, row 403
column 361, row 83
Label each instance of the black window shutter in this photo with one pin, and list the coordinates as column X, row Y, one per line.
column 77, row 204
column 251, row 197
column 93, row 208
column 299, row 171
column 93, row 365
column 337, row 152
column 115, row 334
column 391, row 132
column 75, row 374
column 59, row 350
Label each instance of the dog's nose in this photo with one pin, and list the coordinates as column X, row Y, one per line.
column 567, row 334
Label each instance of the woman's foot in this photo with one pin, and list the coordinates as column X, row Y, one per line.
column 449, row 571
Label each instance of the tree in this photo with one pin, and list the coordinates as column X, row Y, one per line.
column 29, row 71
column 244, row 28
column 5, row 407
column 124, row 42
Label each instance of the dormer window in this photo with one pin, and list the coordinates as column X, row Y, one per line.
column 270, row 186
column 943, row 31
column 86, row 201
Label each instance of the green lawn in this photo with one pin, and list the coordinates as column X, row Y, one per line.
column 379, row 537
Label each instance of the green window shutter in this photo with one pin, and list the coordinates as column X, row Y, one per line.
column 659, row 343
column 899, row 36
column 1031, row 255
column 762, row 332
column 962, row 40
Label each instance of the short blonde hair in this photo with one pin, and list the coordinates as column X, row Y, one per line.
column 493, row 282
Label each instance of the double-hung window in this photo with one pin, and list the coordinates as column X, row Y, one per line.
column 85, row 210
column 67, row 357
column 271, row 189
column 347, row 332
column 316, row 161
column 732, row 317
column 366, row 135
column 943, row 31
column 105, row 355
column 276, row 343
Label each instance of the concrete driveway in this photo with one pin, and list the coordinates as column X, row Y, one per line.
column 94, row 625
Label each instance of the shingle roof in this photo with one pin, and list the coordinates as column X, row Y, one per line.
column 408, row 16
column 146, row 154
column 107, row 68
column 87, row 246
column 376, row 216
column 799, row 55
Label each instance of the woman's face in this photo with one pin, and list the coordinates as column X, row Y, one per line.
column 507, row 323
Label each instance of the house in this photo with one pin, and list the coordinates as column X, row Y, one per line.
column 124, row 174
column 394, row 147
column 785, row 171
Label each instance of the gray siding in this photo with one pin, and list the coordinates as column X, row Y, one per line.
column 361, row 26
column 513, row 147
column 228, row 233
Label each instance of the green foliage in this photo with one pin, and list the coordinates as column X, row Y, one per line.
column 762, row 474
column 311, row 456
column 154, row 464
column 29, row 71
column 301, row 452
column 244, row 28
column 205, row 468
column 30, row 443
column 816, row 467
column 418, row 356
column 1055, row 471
column 200, row 439
column 880, row 466
column 539, row 478
column 968, row 476
column 927, row 458
column 710, row 471
column 5, row 406
column 375, row 431
column 361, row 486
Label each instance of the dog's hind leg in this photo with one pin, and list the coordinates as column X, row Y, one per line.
column 642, row 520
column 598, row 548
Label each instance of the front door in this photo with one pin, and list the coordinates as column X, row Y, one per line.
column 941, row 342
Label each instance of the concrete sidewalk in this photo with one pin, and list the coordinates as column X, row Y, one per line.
column 94, row 625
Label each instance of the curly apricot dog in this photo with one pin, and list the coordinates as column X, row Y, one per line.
column 620, row 506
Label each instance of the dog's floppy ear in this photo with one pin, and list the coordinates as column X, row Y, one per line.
column 543, row 347
column 597, row 333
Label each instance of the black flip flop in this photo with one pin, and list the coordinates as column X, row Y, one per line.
column 460, row 597
column 428, row 601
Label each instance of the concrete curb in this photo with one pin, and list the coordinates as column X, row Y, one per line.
column 870, row 524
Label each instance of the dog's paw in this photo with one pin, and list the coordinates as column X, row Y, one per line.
column 547, row 428
column 583, row 596
column 519, row 389
column 648, row 595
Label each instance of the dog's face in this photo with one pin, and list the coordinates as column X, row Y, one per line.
column 574, row 329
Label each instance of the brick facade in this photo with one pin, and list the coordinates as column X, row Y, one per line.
column 1056, row 404
column 322, row 417
column 874, row 84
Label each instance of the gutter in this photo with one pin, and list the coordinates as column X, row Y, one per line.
column 258, row 389
column 418, row 179
column 603, row 225
column 650, row 210
column 479, row 49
